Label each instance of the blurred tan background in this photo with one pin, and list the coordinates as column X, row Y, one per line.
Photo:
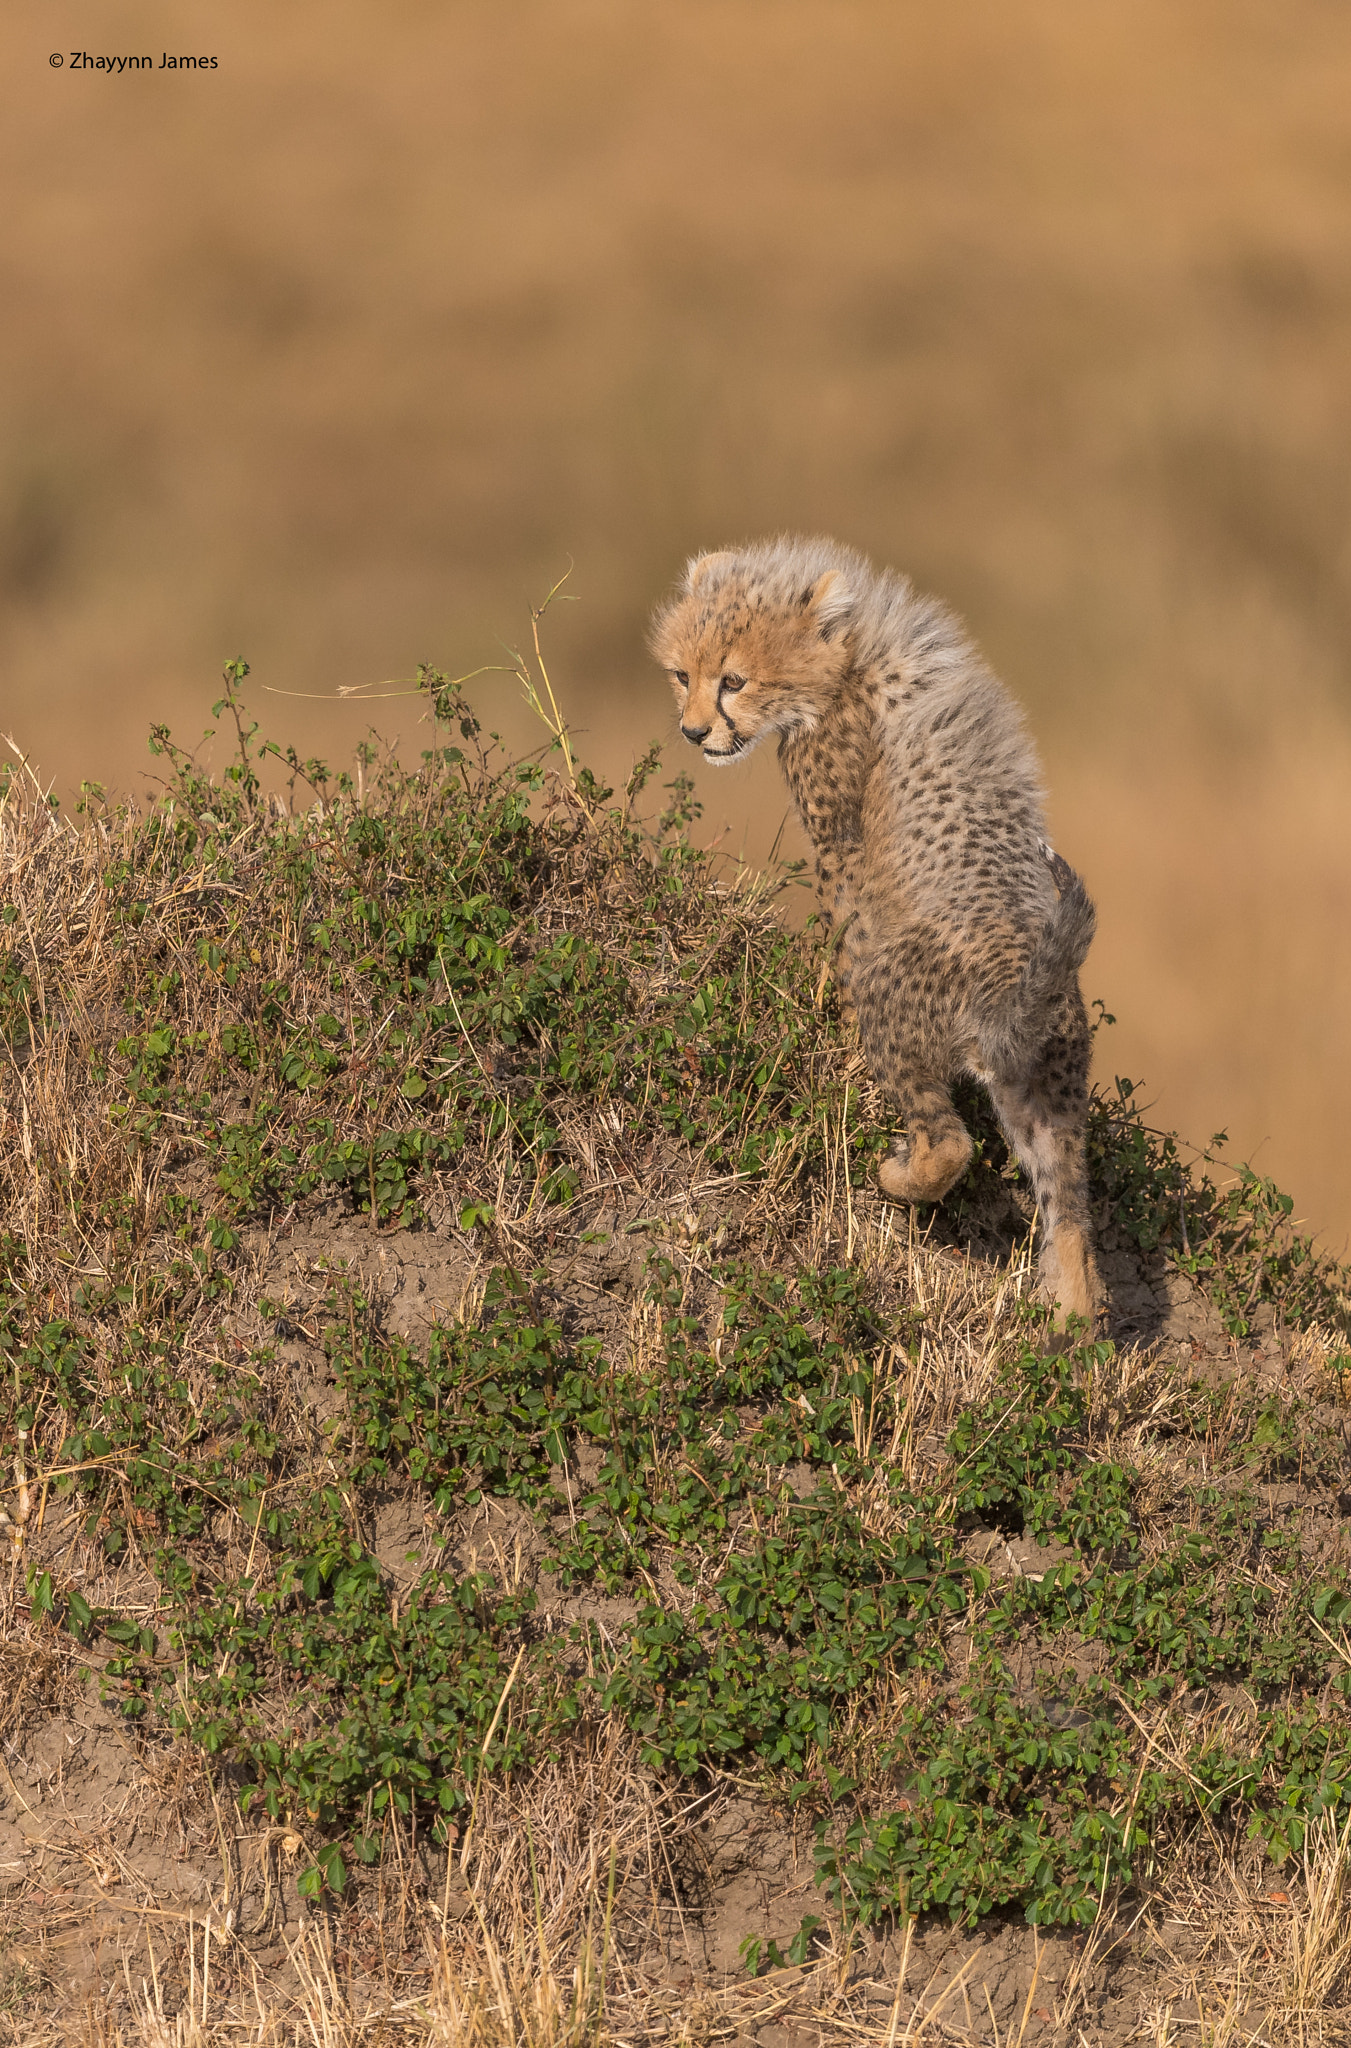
column 333, row 356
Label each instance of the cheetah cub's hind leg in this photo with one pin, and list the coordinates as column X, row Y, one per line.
column 1044, row 1112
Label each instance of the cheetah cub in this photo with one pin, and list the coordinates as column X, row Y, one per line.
column 959, row 933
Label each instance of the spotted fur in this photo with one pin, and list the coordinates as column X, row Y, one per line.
column 958, row 932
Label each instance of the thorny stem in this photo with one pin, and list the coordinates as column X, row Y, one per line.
column 235, row 672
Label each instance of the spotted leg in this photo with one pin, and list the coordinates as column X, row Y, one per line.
column 1044, row 1112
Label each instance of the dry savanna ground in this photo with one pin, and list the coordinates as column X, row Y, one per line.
column 509, row 1538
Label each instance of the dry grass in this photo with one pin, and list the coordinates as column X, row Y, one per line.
column 1314, row 1972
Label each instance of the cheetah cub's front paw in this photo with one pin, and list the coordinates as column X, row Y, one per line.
column 916, row 1170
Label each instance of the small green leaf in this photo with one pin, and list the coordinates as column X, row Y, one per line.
column 40, row 1596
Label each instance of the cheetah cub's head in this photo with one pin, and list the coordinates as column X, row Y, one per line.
column 747, row 658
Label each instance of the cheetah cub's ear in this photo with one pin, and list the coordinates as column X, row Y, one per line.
column 698, row 567
column 830, row 600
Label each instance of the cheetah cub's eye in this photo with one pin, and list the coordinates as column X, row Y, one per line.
column 682, row 679
column 732, row 683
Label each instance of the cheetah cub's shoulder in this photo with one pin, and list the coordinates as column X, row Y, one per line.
column 960, row 934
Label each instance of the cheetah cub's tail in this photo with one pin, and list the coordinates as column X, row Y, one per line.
column 1073, row 922
column 1056, row 959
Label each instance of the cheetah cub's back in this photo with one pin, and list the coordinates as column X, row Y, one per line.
column 959, row 933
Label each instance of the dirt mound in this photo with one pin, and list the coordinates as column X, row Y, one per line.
column 506, row 1524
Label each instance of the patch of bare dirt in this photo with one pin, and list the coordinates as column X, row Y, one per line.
column 118, row 1868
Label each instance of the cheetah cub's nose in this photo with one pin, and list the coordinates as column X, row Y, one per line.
column 697, row 734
